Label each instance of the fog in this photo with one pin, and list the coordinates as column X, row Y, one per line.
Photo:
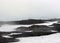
column 28, row 9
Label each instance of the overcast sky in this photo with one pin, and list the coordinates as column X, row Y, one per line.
column 28, row 9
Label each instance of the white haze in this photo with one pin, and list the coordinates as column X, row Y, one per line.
column 27, row 9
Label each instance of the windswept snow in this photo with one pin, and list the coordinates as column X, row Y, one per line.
column 53, row 38
column 48, row 23
column 6, row 36
column 8, row 28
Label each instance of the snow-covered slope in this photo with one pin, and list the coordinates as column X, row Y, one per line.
column 53, row 38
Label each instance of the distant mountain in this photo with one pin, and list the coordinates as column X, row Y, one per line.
column 29, row 21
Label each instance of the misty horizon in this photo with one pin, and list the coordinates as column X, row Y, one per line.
column 29, row 9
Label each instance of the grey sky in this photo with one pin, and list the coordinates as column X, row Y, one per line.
column 23, row 9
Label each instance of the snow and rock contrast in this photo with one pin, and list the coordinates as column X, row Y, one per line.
column 11, row 33
column 53, row 38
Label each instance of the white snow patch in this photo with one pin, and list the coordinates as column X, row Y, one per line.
column 54, row 31
column 54, row 38
column 29, row 31
column 14, row 33
column 48, row 23
column 6, row 36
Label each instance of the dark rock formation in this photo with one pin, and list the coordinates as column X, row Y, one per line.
column 56, row 27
